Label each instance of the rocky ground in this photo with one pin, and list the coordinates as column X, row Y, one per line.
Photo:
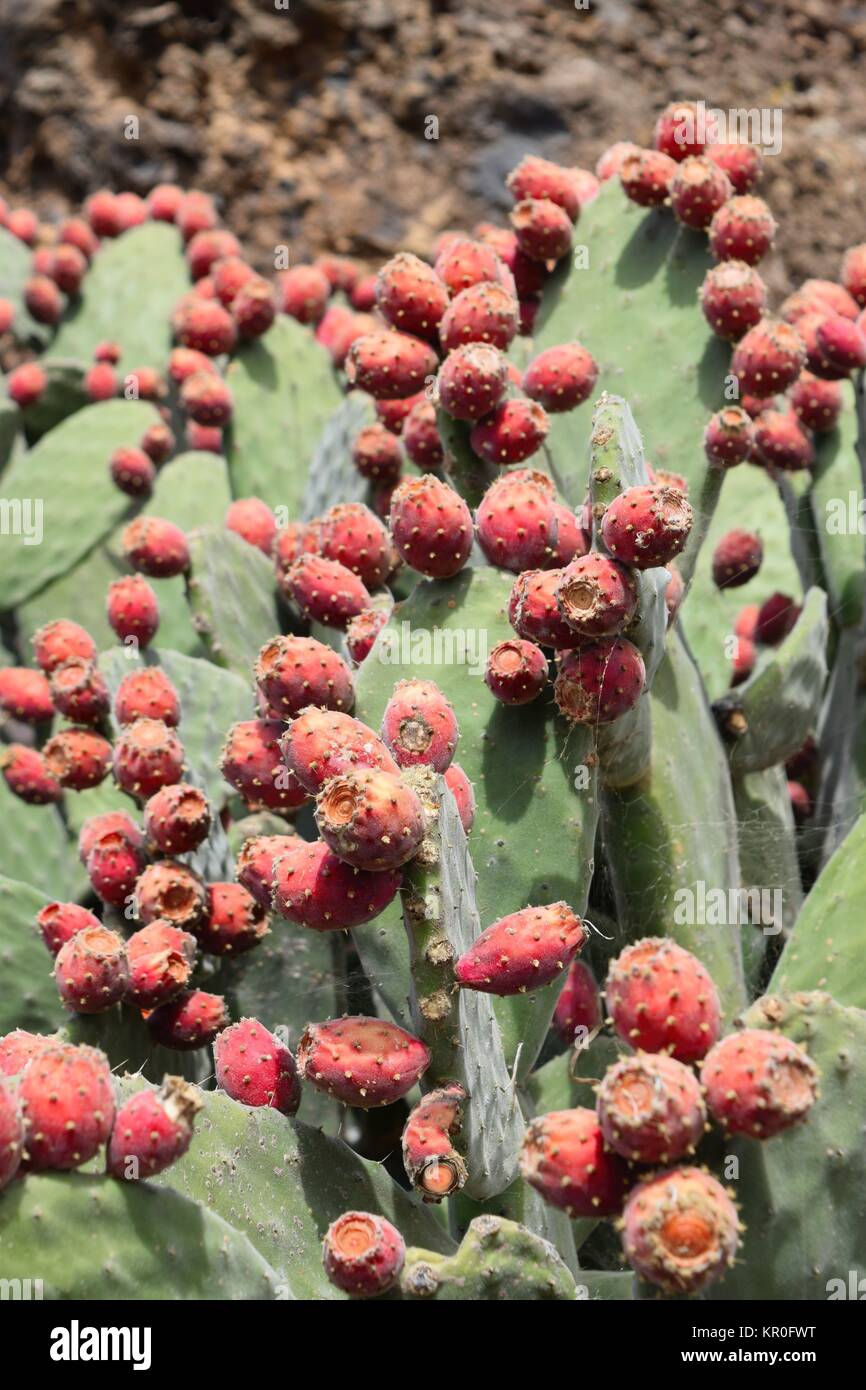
column 309, row 118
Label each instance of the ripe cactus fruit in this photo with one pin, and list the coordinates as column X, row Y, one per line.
column 534, row 613
column 113, row 866
column 578, row 1008
column 100, row 384
column 208, row 246
column 816, row 403
column 742, row 163
column 769, row 358
column 433, row 1165
column 543, row 229
column 250, row 762
column 362, row 632
column 512, row 432
column 650, row 1108
column 421, row 438
column 776, row 616
column 516, row 672
column 153, row 1129
column 737, row 559
column 233, row 921
column 661, row 999
column 161, row 958
column 363, row 1254
column 315, row 889
column 361, row 1061
column 419, row 725
column 573, row 534
column 523, row 951
column 132, row 472
column 190, row 1020
column 148, row 755
column 485, row 313
column 320, row 744
column 472, row 380
column 43, row 299
column 26, row 384
column 254, row 308
column 111, row 823
column 391, row 365
column 677, row 131
column 28, row 776
column 517, row 521
column 195, row 213
column 564, row 1157
column 303, row 292
column 252, row 520
column 743, row 659
column 78, row 758
column 647, row 525
column 207, row 399
column 25, row 694
column 79, row 692
column 255, row 1068
column 561, row 377
column 147, row 694
column 759, row 1083
column 680, row 1230
column 729, row 437
column 18, row 1047
column 371, row 819
column 697, row 191
column 431, row 526
column 597, row 596
column 354, row 536
column 158, row 443
column 742, row 230
column 61, row 641
column 325, row 590
column 255, row 865
column 293, row 673
column 155, row 547
column 645, row 176
column 540, row 178
column 11, row 1135
column 177, row 818
column 171, row 892
column 377, row 455
column 853, row 275
column 464, row 795
column 59, row 922
column 229, row 275
column 599, row 681
column 410, row 296
column 782, row 442
column 91, row 970
column 67, row 1104
column 842, row 347
column 132, row 609
column 733, row 299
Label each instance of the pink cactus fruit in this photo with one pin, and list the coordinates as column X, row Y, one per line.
column 776, row 617
column 255, row 863
column 410, row 296
column 697, row 190
column 661, row 999
column 371, row 819
column 678, row 131
column 361, row 1061
column 67, row 1105
column 153, row 1129
column 255, row 1068
column 233, row 921
column 431, row 526
column 79, row 692
column 133, row 609
column 91, row 970
column 599, row 681
column 132, row 472
column 597, row 596
column 177, row 818
column 516, row 672
column 190, row 1020
column 464, row 794
column 484, row 313
column 60, row 641
column 293, row 673
column 816, row 403
column 433, row 1165
column 324, row 590
column 363, row 1254
column 523, row 951
column 362, row 632
column 320, row 744
column 421, row 438
column 782, row 442
column 645, row 176
column 578, row 1008
column 355, row 537
column 737, row 559
column 733, row 299
column 511, row 433
column 303, row 293
column 759, row 1083
column 742, row 230
column 172, row 892
column 113, row 866
column 565, row 1158
column 78, row 758
column 147, row 694
column 769, row 358
column 561, row 378
column 472, row 381
column 155, row 547
column 147, row 755
column 161, row 959
column 390, row 365
column 742, row 163
column 518, row 521
column 534, row 612
column 315, row 889
column 377, row 455
column 25, row 694
column 543, row 229
column 651, row 1109
column 647, row 525
column 680, row 1230
column 11, row 1135
column 59, row 922
column 19, row 1047
column 252, row 520
column 250, row 762
column 419, row 725
column 729, row 437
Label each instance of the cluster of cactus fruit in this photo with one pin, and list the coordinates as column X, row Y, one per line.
column 379, row 649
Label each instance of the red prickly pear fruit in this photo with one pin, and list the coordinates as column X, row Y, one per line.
column 161, row 959
column 341, row 272
column 729, row 437
column 680, row 1230
column 377, row 455
column 132, row 472
column 79, row 691
column 512, row 432
column 743, row 164
column 207, row 399
column 597, row 596
column 742, row 230
column 78, row 758
column 534, row 612
column 853, row 274
column 464, row 795
column 543, row 229
column 203, row 438
column 769, row 358
column 172, row 893
column 354, row 536
column 25, row 694
column 293, row 673
column 363, row 1254
column 233, row 921
column 647, row 525
column 410, row 296
column 782, row 442
column 229, row 275
column 464, row 262
column 145, row 384
column 363, row 295
column 190, row 1020
column 485, row 313
column 324, row 590
column 697, row 190
column 158, row 443
column 578, row 1008
column 205, row 325
column 516, row 672
column 675, row 592
column 91, row 970
column 177, row 818
column 28, row 776
column 661, row 999
column 320, row 744
column 393, row 414
column 76, row 232
column 776, row 617
column 133, row 609
column 361, row 1061
column 131, row 211
column 518, row 521
column 43, row 299
column 733, row 299
column 23, row 224
column 255, row 865
column 114, row 823
column 842, row 346
column 816, row 403
column 650, row 1109
column 148, row 755
column 255, row 1068
column 561, row 378
column 678, row 131
column 390, row 365
column 164, row 201
column 523, row 951
column 59, row 922
column 67, row 1104
column 155, row 547
column 147, row 694
column 419, row 725
column 113, row 867
column 421, row 438
column 207, row 247
column 251, row 763
column 101, row 384
column 254, row 308
column 431, row 526
column 371, row 819
column 759, row 1083
column 61, row 641
column 293, row 540
column 338, row 329
column 472, row 380
column 743, row 659
column 564, row 1157
column 737, row 559
column 11, row 1135
column 433, row 1165
column 252, row 520
column 152, row 1130
column 540, row 178
column 645, row 177
column 599, row 681
column 610, row 160
column 801, row 802
column 19, row 1047
column 315, row 889
column 26, row 384
column 362, row 632
column 195, row 213
column 303, row 293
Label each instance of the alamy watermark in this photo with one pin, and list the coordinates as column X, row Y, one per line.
column 699, row 124
column 421, row 646
column 22, row 516
column 729, row 907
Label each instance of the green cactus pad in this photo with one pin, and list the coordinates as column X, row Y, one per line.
column 497, row 1259
column 836, row 497
column 231, row 592
column 32, row 1002
column 333, row 476
column 768, row 860
column 64, row 394
column 35, row 841
column 122, row 1034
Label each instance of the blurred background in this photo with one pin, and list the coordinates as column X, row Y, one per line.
column 307, row 118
